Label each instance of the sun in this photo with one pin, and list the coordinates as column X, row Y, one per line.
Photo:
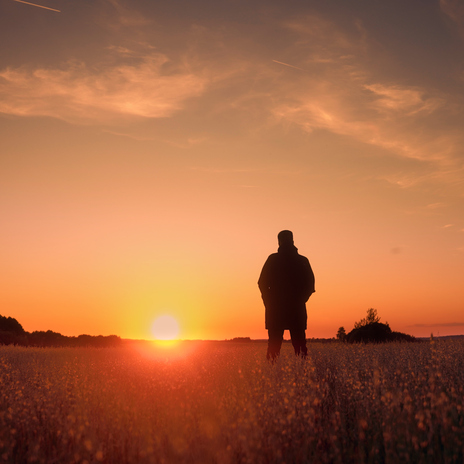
column 165, row 328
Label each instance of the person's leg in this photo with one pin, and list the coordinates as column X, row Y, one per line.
column 299, row 342
column 276, row 337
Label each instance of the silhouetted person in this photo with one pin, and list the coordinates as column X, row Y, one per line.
column 286, row 283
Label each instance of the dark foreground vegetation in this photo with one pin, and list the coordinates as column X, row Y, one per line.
column 12, row 333
column 223, row 403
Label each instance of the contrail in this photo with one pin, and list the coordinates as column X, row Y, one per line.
column 40, row 6
column 289, row 65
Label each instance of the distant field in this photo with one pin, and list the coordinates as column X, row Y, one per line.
column 223, row 403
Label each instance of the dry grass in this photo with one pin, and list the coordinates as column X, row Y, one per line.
column 223, row 403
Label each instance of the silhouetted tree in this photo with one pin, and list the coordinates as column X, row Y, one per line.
column 369, row 319
column 11, row 332
column 341, row 334
column 10, row 324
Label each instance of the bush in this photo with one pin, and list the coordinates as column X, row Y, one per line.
column 376, row 332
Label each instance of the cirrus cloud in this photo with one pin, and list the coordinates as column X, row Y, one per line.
column 78, row 93
column 341, row 92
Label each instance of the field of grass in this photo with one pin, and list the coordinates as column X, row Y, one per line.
column 223, row 403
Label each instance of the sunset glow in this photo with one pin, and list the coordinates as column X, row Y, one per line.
column 150, row 152
column 165, row 328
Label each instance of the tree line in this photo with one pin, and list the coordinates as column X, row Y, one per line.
column 12, row 333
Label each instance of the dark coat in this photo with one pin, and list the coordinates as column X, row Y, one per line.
column 286, row 283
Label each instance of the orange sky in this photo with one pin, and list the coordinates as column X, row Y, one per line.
column 150, row 152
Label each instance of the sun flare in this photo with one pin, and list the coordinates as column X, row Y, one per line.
column 165, row 328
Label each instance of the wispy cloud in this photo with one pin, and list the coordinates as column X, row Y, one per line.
column 39, row 6
column 288, row 65
column 215, row 170
column 342, row 94
column 79, row 93
column 245, row 171
column 434, row 206
column 455, row 10
column 323, row 79
column 381, row 116
column 124, row 16
column 441, row 324
column 408, row 101
column 188, row 143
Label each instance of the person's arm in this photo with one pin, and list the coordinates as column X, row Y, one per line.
column 310, row 280
column 264, row 281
